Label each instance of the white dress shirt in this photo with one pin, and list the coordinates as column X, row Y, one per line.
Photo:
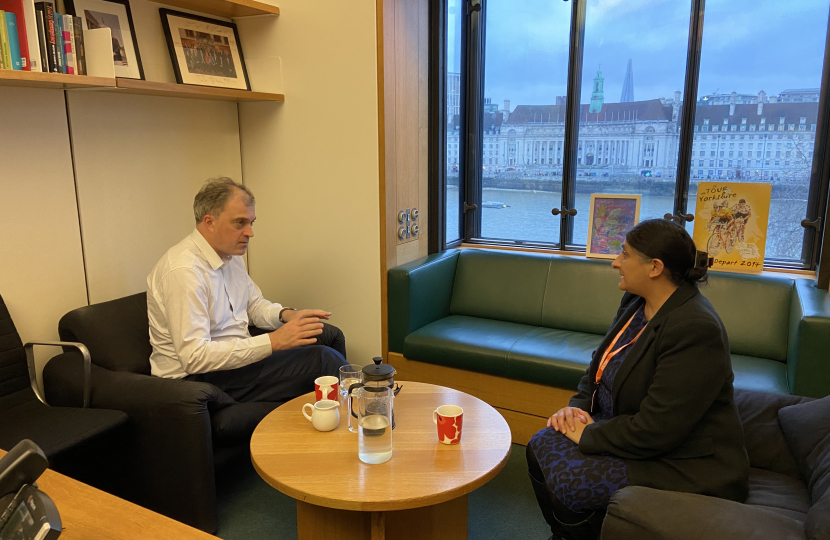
column 199, row 307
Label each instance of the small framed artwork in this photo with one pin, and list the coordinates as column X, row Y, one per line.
column 115, row 15
column 204, row 51
column 610, row 219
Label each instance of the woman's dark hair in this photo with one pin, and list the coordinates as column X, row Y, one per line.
column 665, row 240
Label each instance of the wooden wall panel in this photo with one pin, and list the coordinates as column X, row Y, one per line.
column 403, row 69
column 139, row 161
column 42, row 271
column 313, row 164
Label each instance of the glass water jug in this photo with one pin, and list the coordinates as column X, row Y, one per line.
column 372, row 406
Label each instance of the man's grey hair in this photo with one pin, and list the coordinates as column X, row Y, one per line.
column 214, row 195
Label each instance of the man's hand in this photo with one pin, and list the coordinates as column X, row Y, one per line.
column 289, row 314
column 565, row 420
column 296, row 332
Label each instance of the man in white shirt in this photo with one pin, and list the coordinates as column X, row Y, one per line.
column 200, row 301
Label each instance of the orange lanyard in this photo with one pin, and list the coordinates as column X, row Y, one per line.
column 609, row 354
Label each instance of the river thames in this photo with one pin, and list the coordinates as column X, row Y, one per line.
column 527, row 217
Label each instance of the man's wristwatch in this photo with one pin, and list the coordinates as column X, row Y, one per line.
column 281, row 312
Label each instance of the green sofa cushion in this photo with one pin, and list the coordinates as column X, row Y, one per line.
column 544, row 356
column 553, row 357
column 582, row 295
column 500, row 285
column 755, row 311
column 760, row 374
column 470, row 343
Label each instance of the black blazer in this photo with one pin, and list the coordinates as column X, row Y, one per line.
column 675, row 421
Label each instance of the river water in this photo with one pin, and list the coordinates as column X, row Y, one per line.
column 527, row 217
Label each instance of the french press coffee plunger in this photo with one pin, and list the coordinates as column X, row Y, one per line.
column 378, row 375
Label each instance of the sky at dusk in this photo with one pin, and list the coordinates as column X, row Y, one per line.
column 748, row 46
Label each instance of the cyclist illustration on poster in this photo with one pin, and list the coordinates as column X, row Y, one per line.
column 731, row 224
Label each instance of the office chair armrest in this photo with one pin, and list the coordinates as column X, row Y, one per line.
column 30, row 360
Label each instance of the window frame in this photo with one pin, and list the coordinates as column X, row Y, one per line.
column 471, row 149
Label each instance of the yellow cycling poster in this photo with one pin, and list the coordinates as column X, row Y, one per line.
column 731, row 224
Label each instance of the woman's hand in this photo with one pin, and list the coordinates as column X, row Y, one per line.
column 567, row 419
column 576, row 434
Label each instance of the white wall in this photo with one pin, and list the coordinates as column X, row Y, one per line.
column 42, row 272
column 139, row 161
column 312, row 163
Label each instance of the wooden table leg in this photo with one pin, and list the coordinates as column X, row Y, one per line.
column 320, row 523
column 445, row 521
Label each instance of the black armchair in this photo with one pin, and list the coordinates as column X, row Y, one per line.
column 788, row 444
column 177, row 431
column 25, row 414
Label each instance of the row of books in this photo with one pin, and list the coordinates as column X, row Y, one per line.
column 34, row 36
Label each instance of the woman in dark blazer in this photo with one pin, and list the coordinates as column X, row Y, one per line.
column 655, row 406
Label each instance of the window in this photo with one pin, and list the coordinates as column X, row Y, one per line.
column 626, row 126
column 452, row 82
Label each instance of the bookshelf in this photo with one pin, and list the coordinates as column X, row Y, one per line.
column 229, row 9
column 150, row 88
column 58, row 81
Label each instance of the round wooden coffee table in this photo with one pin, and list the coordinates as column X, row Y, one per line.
column 420, row 493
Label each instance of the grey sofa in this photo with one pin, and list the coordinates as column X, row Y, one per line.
column 788, row 443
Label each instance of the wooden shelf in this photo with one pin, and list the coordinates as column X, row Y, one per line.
column 59, row 81
column 149, row 88
column 229, row 9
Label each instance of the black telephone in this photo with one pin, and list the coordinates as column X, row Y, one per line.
column 26, row 513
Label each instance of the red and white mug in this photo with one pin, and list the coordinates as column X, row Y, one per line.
column 326, row 388
column 449, row 419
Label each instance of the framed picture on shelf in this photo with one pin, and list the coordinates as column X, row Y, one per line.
column 204, row 51
column 115, row 15
column 610, row 219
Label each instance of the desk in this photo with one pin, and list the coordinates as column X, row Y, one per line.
column 90, row 514
column 420, row 493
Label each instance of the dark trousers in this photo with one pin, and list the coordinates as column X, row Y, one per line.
column 564, row 523
column 285, row 374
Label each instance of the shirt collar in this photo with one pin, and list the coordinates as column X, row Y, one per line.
column 213, row 258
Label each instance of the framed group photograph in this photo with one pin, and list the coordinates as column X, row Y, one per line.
column 115, row 15
column 610, row 218
column 204, row 51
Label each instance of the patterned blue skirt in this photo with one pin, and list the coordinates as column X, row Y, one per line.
column 580, row 481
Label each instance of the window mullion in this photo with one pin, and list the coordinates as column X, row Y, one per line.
column 684, row 158
column 473, row 92
column 572, row 108
column 816, row 240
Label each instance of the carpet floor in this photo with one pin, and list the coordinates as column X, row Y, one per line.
column 503, row 509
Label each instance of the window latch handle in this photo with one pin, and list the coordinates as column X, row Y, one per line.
column 468, row 207
column 816, row 224
column 680, row 218
column 566, row 212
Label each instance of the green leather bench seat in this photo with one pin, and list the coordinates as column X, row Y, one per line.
column 517, row 351
column 537, row 318
column 545, row 356
column 760, row 374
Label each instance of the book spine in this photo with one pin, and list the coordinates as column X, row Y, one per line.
column 14, row 41
column 80, row 51
column 48, row 10
column 4, row 42
column 56, row 24
column 17, row 8
column 68, row 44
column 33, row 54
column 41, row 38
